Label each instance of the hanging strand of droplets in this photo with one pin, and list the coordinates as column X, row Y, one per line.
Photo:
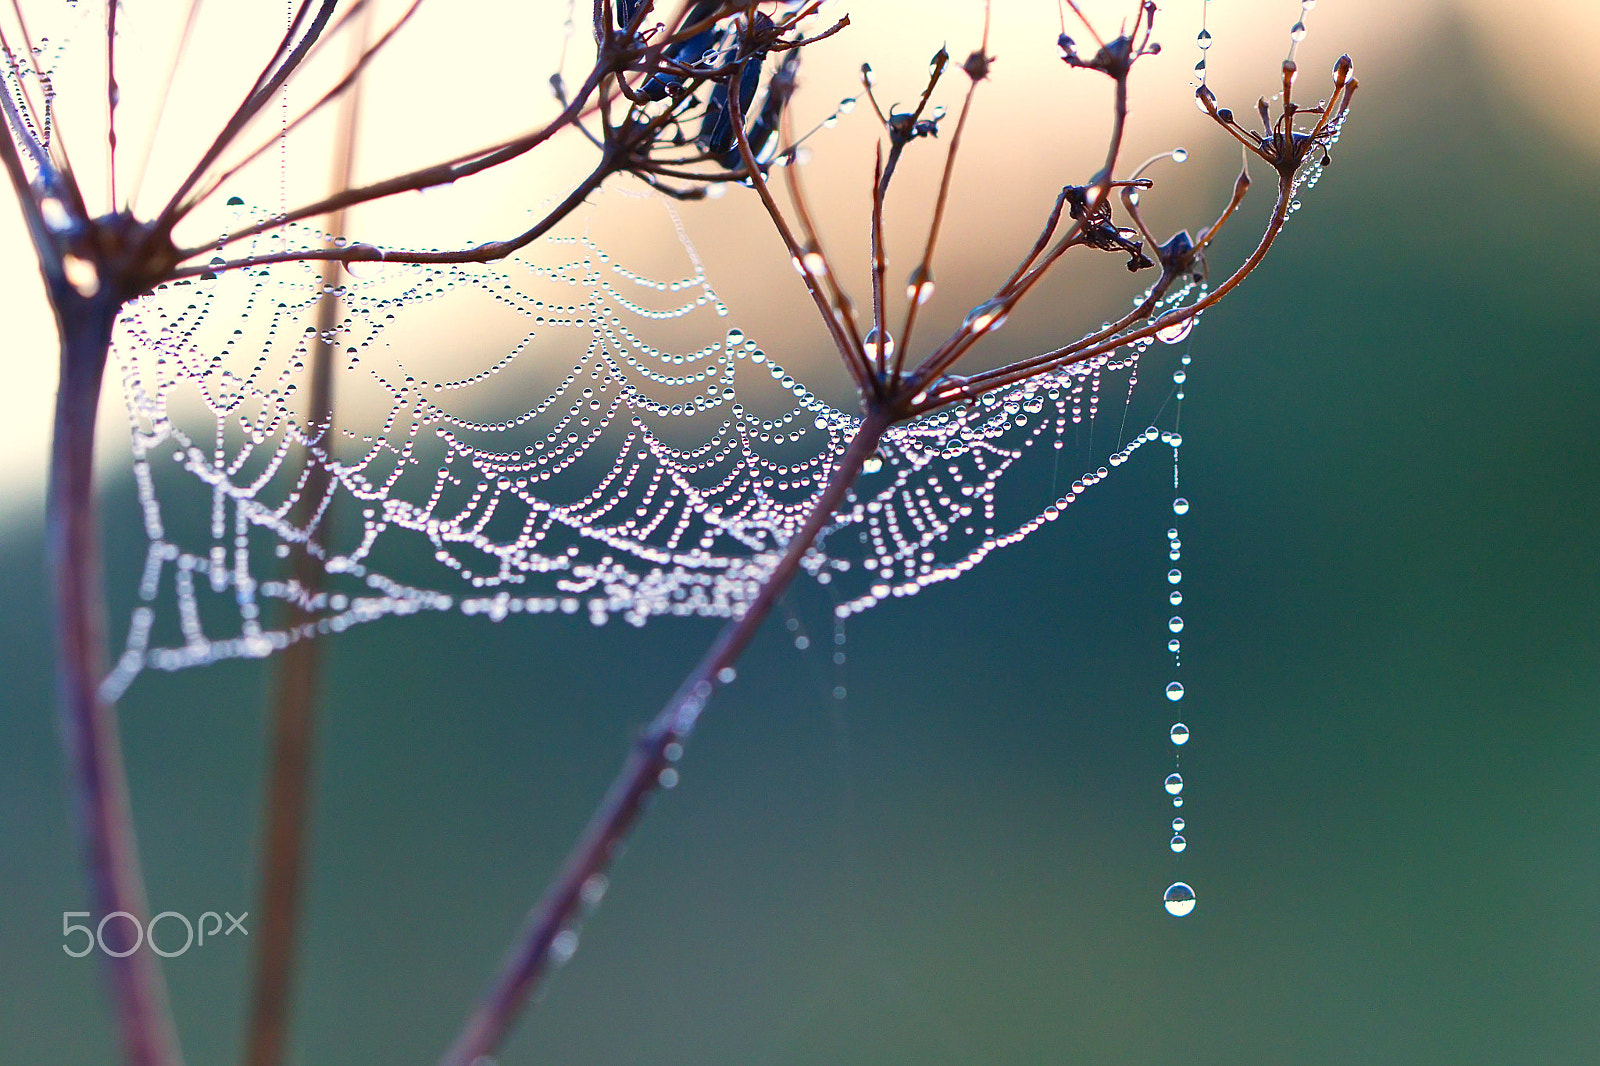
column 1179, row 897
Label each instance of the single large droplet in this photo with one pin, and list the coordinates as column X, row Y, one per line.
column 1177, row 825
column 1178, row 843
column 1204, row 39
column 1174, row 576
column 871, row 345
column 1177, row 331
column 1180, row 733
column 1175, row 624
column 1179, row 899
column 919, row 288
column 985, row 317
column 1180, row 506
column 1297, row 32
column 1174, row 783
column 1175, row 691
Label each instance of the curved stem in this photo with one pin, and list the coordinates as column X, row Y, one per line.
column 478, row 253
column 89, row 731
column 657, row 747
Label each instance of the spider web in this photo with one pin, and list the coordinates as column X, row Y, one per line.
column 600, row 443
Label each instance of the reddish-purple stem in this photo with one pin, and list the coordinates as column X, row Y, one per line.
column 530, row 956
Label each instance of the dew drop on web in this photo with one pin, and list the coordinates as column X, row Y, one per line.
column 1179, row 899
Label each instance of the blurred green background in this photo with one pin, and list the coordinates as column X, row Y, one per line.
column 1392, row 667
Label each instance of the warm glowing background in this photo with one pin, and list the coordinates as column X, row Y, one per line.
column 1391, row 657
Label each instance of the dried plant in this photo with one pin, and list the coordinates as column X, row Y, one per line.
column 671, row 99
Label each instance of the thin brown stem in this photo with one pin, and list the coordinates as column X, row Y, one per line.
column 178, row 50
column 32, row 106
column 850, row 350
column 286, row 59
column 880, row 266
column 424, row 178
column 351, row 76
column 294, row 709
column 654, row 752
column 841, row 300
column 111, row 101
column 480, row 253
column 923, row 275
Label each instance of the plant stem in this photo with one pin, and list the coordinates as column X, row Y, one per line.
column 657, row 747
column 89, row 731
column 293, row 725
column 294, row 711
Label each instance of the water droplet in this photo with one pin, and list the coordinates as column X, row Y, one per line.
column 1178, row 843
column 985, row 317
column 235, row 201
column 1175, row 597
column 565, row 945
column 1175, row 691
column 919, row 288
column 871, row 346
column 1175, row 624
column 1297, row 32
column 1204, row 39
column 1172, row 645
column 1180, row 734
column 1180, row 155
column 1180, row 506
column 81, row 274
column 1174, row 784
column 871, row 465
column 1179, row 899
column 1176, row 332
column 54, row 215
column 1174, row 576
column 727, row 675
column 1177, row 825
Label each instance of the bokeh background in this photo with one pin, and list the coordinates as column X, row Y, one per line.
column 1391, row 657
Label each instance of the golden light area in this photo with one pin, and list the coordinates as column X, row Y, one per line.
column 461, row 76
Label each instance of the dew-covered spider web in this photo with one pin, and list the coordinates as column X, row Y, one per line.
column 553, row 433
